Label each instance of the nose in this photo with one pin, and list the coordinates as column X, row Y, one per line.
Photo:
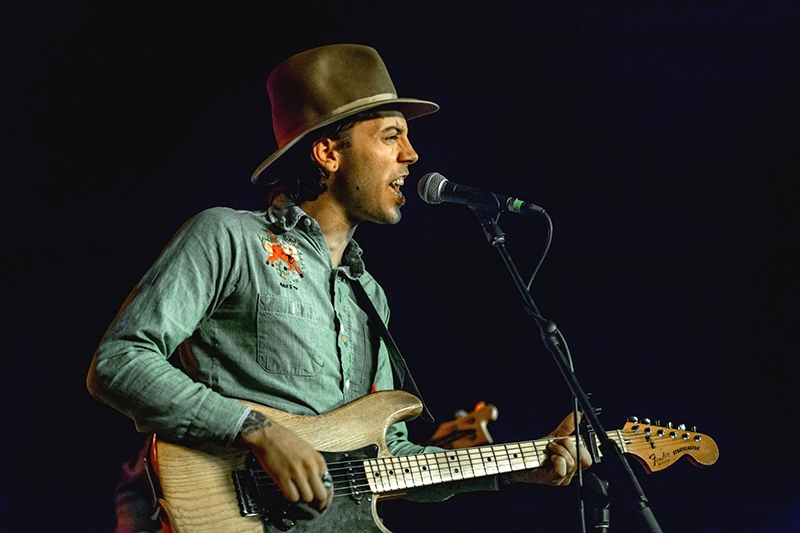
column 407, row 153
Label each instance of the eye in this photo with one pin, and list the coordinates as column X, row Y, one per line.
column 393, row 135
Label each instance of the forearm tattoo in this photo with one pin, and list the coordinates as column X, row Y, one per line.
column 254, row 422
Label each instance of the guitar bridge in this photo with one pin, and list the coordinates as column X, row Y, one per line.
column 246, row 493
column 258, row 496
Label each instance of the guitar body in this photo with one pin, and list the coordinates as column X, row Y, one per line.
column 198, row 488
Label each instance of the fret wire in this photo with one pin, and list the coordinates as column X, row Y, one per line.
column 489, row 460
column 435, row 466
column 397, row 468
column 537, row 459
column 537, row 453
column 408, row 471
column 458, row 472
column 499, row 454
column 513, row 462
column 471, row 466
column 424, row 469
column 386, row 476
column 504, row 460
column 476, row 461
column 444, row 466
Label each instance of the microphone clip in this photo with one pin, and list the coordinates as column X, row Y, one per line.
column 488, row 219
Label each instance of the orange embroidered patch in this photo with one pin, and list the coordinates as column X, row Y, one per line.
column 284, row 255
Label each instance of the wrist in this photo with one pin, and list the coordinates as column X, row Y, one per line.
column 252, row 430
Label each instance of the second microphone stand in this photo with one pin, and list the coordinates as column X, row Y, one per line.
column 618, row 468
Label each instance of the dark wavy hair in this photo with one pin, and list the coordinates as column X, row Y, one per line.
column 297, row 175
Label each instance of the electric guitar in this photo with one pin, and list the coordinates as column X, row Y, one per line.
column 213, row 488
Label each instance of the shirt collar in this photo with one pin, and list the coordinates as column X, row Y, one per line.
column 286, row 214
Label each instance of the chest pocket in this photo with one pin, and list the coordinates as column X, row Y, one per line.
column 292, row 337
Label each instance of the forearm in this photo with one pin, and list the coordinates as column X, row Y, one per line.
column 130, row 370
column 159, row 397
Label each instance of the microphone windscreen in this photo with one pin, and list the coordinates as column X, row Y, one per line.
column 430, row 188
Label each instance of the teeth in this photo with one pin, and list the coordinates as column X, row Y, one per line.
column 396, row 184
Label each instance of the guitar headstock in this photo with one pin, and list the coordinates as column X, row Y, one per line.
column 466, row 430
column 657, row 447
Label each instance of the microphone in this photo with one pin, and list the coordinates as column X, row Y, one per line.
column 434, row 188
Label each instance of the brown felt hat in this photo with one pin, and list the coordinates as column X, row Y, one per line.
column 318, row 87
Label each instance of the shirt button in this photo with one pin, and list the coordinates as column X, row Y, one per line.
column 347, row 384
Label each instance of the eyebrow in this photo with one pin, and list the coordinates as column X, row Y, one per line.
column 397, row 129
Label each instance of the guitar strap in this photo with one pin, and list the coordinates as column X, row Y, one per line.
column 399, row 367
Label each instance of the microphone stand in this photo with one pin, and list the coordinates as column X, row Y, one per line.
column 595, row 490
column 618, row 468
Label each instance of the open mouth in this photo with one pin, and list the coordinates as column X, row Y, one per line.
column 396, row 184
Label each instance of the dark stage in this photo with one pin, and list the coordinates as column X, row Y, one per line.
column 661, row 137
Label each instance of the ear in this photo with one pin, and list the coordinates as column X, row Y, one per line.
column 325, row 154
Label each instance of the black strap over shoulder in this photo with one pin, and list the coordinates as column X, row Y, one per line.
column 399, row 367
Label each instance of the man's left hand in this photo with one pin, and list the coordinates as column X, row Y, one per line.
column 561, row 463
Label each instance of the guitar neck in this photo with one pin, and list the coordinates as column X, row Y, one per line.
column 403, row 472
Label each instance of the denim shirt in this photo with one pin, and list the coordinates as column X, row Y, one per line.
column 253, row 305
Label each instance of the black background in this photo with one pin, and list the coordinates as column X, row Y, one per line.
column 661, row 137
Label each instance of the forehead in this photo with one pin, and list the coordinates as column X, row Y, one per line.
column 383, row 120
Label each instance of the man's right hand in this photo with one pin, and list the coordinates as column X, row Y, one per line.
column 291, row 462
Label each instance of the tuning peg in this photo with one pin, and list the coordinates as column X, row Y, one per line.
column 682, row 427
column 633, row 419
column 646, row 421
column 460, row 413
column 669, row 425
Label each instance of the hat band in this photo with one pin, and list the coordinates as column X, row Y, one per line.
column 363, row 101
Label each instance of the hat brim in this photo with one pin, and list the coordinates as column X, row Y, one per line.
column 410, row 107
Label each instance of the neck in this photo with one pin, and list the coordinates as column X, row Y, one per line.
column 336, row 228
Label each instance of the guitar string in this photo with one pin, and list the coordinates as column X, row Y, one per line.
column 345, row 482
column 343, row 475
column 464, row 456
column 422, row 471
